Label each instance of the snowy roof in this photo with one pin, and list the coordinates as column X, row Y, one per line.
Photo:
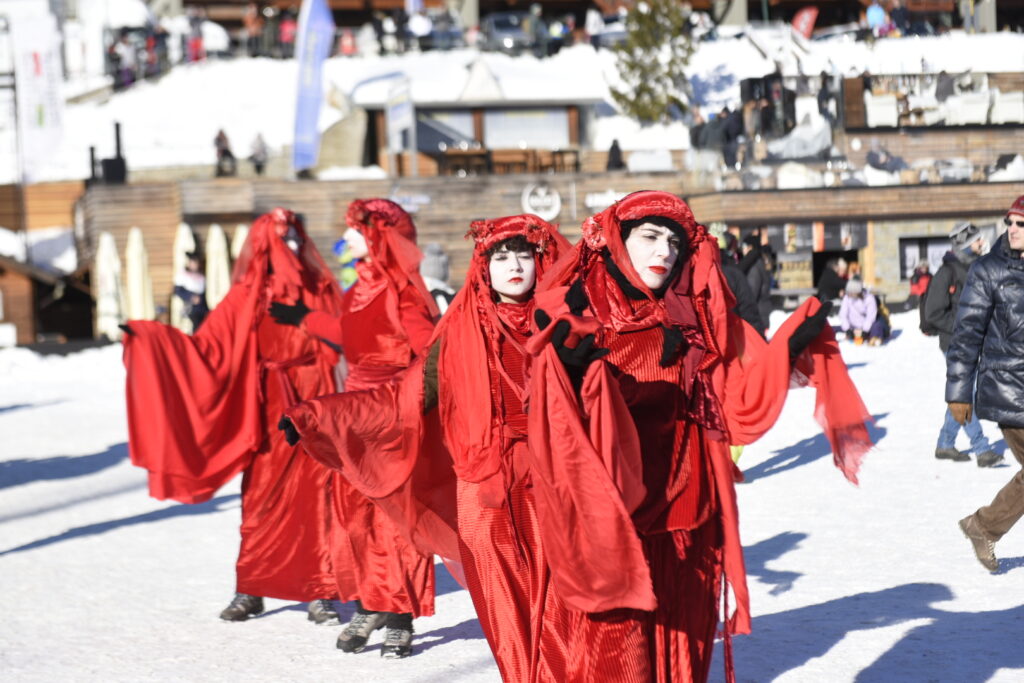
column 173, row 122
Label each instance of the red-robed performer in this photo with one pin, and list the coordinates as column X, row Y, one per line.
column 637, row 390
column 387, row 319
column 469, row 393
column 201, row 409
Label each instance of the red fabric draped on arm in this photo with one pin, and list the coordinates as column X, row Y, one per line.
column 391, row 453
column 193, row 402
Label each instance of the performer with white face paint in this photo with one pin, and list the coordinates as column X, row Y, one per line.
column 513, row 273
column 648, row 377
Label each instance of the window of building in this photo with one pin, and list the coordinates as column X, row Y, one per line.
column 523, row 128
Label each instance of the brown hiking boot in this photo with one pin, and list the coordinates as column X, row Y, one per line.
column 984, row 547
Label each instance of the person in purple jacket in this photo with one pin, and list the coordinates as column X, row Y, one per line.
column 858, row 315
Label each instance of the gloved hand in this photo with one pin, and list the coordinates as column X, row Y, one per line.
column 808, row 330
column 291, row 434
column 576, row 359
column 283, row 314
column 961, row 412
column 126, row 329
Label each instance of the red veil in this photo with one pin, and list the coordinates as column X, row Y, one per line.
column 469, row 347
column 194, row 418
column 740, row 383
column 390, row 238
column 410, row 473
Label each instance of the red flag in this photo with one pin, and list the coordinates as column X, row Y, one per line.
column 803, row 21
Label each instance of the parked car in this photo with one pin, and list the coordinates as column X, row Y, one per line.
column 506, row 32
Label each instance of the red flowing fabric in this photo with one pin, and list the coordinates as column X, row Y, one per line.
column 387, row 320
column 492, row 536
column 602, row 512
column 203, row 408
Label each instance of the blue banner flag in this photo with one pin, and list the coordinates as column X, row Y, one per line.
column 316, row 34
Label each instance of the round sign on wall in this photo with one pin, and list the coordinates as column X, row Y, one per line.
column 542, row 200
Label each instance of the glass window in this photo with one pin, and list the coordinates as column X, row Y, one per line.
column 526, row 128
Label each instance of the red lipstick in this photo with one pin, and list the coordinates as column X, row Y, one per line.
column 660, row 270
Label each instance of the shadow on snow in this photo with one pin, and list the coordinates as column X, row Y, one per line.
column 146, row 518
column 760, row 554
column 24, row 470
column 968, row 647
column 806, row 451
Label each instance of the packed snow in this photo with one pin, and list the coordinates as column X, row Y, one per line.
column 868, row 583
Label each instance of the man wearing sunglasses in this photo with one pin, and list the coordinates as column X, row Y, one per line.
column 939, row 314
column 987, row 348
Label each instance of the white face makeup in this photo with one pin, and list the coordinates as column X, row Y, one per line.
column 293, row 239
column 513, row 274
column 653, row 251
column 357, row 247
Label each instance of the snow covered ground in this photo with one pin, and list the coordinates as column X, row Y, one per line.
column 100, row 582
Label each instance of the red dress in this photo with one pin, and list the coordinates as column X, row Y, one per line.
column 473, row 507
column 633, row 482
column 387, row 319
column 203, row 408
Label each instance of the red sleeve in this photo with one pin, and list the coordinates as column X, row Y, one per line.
column 193, row 402
column 324, row 326
column 390, row 452
column 416, row 320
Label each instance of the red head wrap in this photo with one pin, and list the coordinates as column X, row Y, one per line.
column 394, row 257
column 471, row 330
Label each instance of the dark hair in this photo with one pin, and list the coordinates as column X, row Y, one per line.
column 514, row 243
column 661, row 221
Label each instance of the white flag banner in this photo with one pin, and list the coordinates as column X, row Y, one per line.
column 37, row 77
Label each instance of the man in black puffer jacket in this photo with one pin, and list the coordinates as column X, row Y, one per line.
column 988, row 348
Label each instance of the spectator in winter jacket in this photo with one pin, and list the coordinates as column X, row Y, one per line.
column 858, row 315
column 760, row 280
column 987, row 350
column 190, row 287
column 746, row 304
column 832, row 282
column 938, row 315
column 919, row 282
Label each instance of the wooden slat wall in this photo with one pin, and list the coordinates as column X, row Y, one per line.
column 861, row 203
column 154, row 208
column 50, row 205
column 17, row 290
column 10, row 208
column 446, row 207
column 980, row 146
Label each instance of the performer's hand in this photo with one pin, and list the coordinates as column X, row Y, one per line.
column 126, row 329
column 541, row 317
column 808, row 330
column 284, row 314
column 961, row 412
column 580, row 356
column 291, row 434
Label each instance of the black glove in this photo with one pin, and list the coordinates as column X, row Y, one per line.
column 808, row 330
column 127, row 330
column 291, row 434
column 283, row 314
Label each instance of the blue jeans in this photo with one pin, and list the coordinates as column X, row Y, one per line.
column 950, row 428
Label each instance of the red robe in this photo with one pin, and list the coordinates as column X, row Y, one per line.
column 632, row 477
column 203, row 408
column 485, row 522
column 387, row 320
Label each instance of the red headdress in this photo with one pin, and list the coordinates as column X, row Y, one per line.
column 471, row 330
column 394, row 257
column 265, row 252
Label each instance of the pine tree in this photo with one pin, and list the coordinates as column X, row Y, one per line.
column 651, row 62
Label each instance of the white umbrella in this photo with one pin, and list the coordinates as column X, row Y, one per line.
column 218, row 269
column 184, row 242
column 238, row 240
column 106, row 288
column 138, row 285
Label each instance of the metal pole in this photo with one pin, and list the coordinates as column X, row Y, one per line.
column 413, row 150
column 12, row 85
